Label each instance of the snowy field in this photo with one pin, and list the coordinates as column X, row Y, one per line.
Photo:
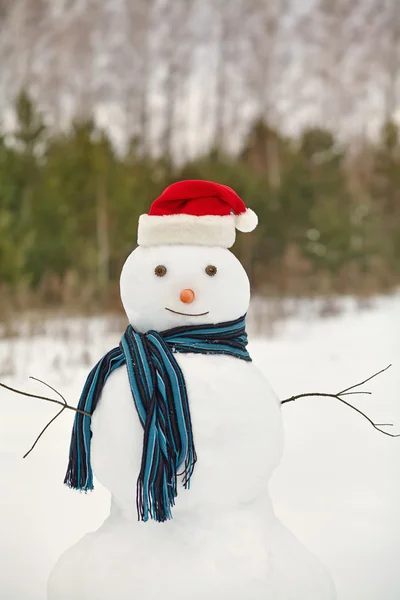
column 337, row 487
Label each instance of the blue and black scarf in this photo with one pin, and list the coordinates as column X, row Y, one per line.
column 160, row 396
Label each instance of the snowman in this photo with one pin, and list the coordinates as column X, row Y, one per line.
column 185, row 430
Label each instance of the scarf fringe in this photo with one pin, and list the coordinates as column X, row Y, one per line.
column 160, row 396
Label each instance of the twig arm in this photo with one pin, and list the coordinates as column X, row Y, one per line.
column 64, row 404
column 42, row 432
column 50, row 387
column 347, row 392
column 352, row 387
column 306, row 395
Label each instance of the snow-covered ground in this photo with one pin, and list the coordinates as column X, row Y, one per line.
column 337, row 488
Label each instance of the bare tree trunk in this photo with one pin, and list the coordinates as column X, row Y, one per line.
column 228, row 21
column 220, row 85
column 392, row 92
column 263, row 64
column 333, row 35
column 103, row 245
column 144, row 76
column 175, row 53
column 144, row 141
column 169, row 113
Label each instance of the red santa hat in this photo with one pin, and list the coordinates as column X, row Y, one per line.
column 195, row 212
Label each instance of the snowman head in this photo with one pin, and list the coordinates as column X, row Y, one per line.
column 170, row 286
column 182, row 273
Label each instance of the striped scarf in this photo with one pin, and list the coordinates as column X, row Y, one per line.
column 159, row 393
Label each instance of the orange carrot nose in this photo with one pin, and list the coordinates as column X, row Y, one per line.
column 187, row 296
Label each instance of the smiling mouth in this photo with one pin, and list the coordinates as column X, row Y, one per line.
column 187, row 314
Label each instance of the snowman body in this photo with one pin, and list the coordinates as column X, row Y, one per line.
column 224, row 541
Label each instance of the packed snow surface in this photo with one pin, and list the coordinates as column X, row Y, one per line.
column 336, row 488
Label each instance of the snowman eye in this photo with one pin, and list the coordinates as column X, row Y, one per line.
column 211, row 270
column 160, row 270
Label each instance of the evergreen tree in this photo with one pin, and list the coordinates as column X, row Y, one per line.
column 69, row 202
column 385, row 191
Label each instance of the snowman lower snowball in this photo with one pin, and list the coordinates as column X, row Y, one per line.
column 185, row 430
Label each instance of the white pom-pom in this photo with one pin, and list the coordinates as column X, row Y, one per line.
column 247, row 221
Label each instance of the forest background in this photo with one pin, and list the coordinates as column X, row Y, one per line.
column 295, row 104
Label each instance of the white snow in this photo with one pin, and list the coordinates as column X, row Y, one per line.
column 337, row 487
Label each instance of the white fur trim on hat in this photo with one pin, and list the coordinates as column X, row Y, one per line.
column 207, row 230
column 246, row 221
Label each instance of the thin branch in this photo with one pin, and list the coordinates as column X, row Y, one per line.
column 352, row 387
column 64, row 405
column 50, row 387
column 293, row 398
column 43, row 430
column 350, row 393
column 374, row 425
column 347, row 392
column 7, row 387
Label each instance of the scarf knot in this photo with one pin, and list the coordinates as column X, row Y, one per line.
column 160, row 397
